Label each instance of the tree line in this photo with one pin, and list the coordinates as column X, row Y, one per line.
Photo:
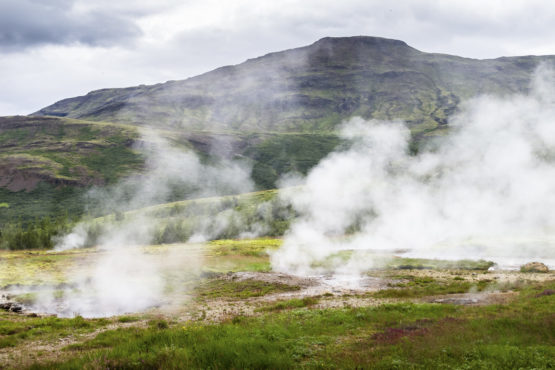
column 35, row 234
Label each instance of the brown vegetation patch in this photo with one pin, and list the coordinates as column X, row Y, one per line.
column 475, row 299
column 545, row 293
column 391, row 335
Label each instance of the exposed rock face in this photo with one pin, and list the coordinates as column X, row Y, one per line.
column 534, row 267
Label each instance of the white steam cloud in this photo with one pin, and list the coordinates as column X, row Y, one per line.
column 485, row 191
column 123, row 276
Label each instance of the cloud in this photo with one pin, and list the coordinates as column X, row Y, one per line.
column 28, row 23
column 63, row 48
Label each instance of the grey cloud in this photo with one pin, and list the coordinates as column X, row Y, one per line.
column 26, row 23
column 175, row 45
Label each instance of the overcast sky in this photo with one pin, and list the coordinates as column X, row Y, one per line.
column 54, row 49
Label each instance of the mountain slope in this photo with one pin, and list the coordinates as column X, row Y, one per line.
column 47, row 163
column 311, row 89
column 63, row 151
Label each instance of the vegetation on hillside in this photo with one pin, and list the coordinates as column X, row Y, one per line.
column 47, row 164
column 253, row 214
column 37, row 234
column 64, row 151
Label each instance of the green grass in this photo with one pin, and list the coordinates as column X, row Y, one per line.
column 46, row 200
column 240, row 289
column 113, row 162
column 403, row 263
column 518, row 335
column 279, row 154
column 426, row 286
column 289, row 304
column 422, row 263
column 244, row 247
column 35, row 267
column 292, row 332
column 15, row 330
column 124, row 319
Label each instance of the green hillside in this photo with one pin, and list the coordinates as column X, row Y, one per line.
column 47, row 163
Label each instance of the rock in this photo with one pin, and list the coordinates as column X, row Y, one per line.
column 11, row 307
column 534, row 267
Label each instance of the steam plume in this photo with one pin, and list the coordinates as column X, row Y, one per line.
column 484, row 191
column 122, row 276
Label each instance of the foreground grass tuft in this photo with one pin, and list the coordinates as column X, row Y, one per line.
column 15, row 329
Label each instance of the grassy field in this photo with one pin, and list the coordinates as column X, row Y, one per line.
column 240, row 316
column 401, row 335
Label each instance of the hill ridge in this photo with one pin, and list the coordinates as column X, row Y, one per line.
column 310, row 89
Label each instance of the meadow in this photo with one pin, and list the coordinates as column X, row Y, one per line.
column 239, row 314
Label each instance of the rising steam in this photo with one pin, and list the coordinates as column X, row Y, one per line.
column 124, row 276
column 484, row 191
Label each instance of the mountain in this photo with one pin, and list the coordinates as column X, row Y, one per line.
column 278, row 111
column 311, row 89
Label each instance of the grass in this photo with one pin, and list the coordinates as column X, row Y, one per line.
column 248, row 288
column 38, row 267
column 41, row 267
column 124, row 319
column 403, row 335
column 404, row 263
column 422, row 263
column 289, row 304
column 219, row 256
column 43, row 201
column 244, row 247
column 415, row 286
column 113, row 161
column 293, row 332
column 279, row 154
column 14, row 330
